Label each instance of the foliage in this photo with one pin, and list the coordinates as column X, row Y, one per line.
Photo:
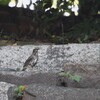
column 88, row 8
column 76, row 78
column 4, row 2
column 51, row 24
column 85, row 30
column 49, row 20
column 19, row 91
column 48, row 16
column 82, row 28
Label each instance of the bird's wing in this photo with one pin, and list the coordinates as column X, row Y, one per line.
column 27, row 61
column 35, row 62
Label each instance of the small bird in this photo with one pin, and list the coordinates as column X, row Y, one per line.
column 32, row 60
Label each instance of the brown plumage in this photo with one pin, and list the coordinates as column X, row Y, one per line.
column 32, row 60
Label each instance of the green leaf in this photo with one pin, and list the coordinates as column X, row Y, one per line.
column 20, row 88
column 62, row 74
column 67, row 74
column 76, row 78
column 16, row 90
column 20, row 94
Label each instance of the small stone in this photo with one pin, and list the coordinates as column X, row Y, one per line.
column 3, row 90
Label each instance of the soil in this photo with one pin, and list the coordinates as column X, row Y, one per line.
column 30, row 41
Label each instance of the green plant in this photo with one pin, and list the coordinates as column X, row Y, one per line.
column 76, row 78
column 19, row 91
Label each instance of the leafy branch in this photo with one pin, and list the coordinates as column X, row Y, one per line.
column 76, row 78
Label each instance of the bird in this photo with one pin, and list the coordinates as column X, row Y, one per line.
column 32, row 60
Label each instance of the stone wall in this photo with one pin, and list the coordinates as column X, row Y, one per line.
column 51, row 57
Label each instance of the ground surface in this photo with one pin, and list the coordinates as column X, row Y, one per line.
column 31, row 41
